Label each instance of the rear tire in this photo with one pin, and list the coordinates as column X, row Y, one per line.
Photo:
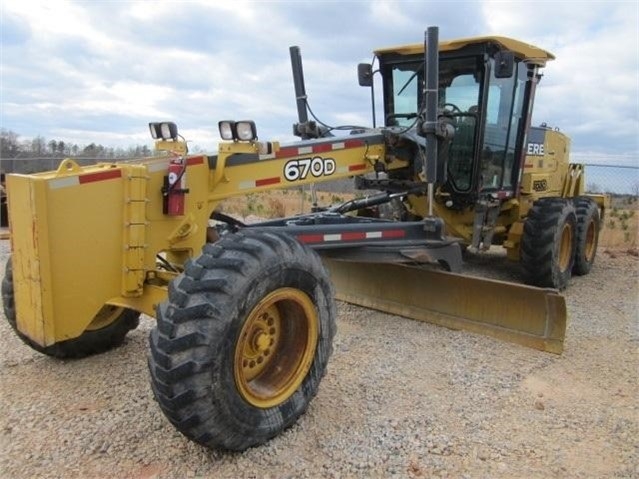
column 588, row 224
column 107, row 330
column 548, row 243
column 243, row 341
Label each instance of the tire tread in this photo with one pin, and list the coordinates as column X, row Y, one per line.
column 198, row 308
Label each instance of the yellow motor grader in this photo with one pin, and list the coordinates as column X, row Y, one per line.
column 246, row 313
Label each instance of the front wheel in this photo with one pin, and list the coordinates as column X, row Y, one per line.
column 243, row 341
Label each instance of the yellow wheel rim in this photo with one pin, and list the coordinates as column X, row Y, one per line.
column 107, row 315
column 565, row 247
column 275, row 348
column 591, row 241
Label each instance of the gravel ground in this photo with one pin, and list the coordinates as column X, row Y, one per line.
column 401, row 399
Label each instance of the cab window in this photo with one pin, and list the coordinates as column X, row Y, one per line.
column 504, row 109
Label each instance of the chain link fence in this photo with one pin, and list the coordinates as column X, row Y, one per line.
column 620, row 227
column 612, row 179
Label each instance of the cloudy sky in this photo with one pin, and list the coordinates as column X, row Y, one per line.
column 99, row 71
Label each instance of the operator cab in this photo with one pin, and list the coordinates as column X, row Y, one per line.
column 486, row 89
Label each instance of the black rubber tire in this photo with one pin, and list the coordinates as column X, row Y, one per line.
column 541, row 245
column 90, row 342
column 191, row 359
column 588, row 225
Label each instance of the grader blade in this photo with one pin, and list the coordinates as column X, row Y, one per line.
column 532, row 317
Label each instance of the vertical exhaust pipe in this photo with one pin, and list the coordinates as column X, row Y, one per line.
column 431, row 59
column 298, row 82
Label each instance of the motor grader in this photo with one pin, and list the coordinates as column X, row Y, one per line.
column 246, row 313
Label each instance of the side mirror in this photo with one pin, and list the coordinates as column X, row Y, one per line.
column 365, row 74
column 504, row 64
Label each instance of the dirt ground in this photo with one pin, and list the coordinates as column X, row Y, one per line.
column 401, row 399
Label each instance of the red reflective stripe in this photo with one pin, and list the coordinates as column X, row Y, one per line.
column 102, row 175
column 310, row 238
column 350, row 236
column 353, row 143
column 353, row 235
column 323, row 148
column 267, row 181
column 286, row 152
column 393, row 234
column 356, row 167
column 195, row 161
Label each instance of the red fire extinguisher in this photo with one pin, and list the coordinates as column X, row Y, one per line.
column 175, row 188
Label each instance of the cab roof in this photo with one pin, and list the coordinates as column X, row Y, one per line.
column 522, row 50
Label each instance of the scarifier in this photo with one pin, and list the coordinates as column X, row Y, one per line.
column 246, row 313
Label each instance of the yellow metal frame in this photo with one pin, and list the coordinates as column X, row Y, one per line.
column 525, row 51
column 83, row 237
column 547, row 175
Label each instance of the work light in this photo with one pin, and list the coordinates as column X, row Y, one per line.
column 246, row 130
column 227, row 130
column 238, row 130
column 166, row 130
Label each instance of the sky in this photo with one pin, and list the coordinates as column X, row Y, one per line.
column 100, row 71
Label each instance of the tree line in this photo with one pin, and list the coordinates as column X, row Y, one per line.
column 11, row 146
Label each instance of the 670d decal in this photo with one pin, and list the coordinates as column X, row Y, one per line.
column 317, row 166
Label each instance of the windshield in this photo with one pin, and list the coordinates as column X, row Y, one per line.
column 459, row 91
column 405, row 91
column 459, row 87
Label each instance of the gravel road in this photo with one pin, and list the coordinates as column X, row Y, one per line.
column 401, row 399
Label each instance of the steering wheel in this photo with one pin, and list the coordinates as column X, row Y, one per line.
column 455, row 108
column 392, row 116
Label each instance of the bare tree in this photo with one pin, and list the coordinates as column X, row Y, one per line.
column 38, row 146
column 9, row 145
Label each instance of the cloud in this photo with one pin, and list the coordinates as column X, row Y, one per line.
column 591, row 90
column 102, row 70
column 13, row 31
column 389, row 14
column 51, row 21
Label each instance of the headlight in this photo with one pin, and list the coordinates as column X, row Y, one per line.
column 155, row 131
column 246, row 130
column 237, row 131
column 169, row 131
column 227, row 130
column 166, row 130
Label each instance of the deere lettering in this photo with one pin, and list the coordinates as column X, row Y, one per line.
column 535, row 149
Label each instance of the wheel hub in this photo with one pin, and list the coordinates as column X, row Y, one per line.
column 275, row 348
column 591, row 241
column 262, row 342
column 565, row 247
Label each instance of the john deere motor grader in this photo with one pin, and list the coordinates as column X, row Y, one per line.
column 246, row 313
